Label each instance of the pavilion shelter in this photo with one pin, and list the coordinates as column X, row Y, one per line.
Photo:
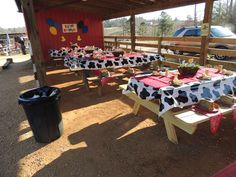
column 55, row 23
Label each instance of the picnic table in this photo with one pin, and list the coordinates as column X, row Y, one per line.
column 87, row 63
column 58, row 55
column 157, row 94
column 65, row 51
column 109, row 61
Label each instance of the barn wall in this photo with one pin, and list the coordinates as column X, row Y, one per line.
column 56, row 17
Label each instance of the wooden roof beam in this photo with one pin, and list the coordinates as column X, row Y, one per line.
column 122, row 3
column 73, row 4
column 55, row 4
column 158, row 5
column 101, row 4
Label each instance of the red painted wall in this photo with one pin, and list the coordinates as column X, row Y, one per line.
column 94, row 36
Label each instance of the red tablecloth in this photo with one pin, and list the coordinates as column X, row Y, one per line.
column 163, row 81
column 229, row 171
column 111, row 57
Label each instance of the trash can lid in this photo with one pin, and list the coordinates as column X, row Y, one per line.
column 42, row 94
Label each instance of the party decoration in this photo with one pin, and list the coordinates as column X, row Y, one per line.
column 79, row 38
column 57, row 26
column 53, row 30
column 63, row 39
column 85, row 29
column 50, row 22
column 53, row 26
column 69, row 28
column 80, row 24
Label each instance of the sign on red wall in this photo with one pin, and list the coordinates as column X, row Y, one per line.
column 69, row 28
column 52, row 36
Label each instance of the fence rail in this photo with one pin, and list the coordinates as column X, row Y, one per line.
column 167, row 45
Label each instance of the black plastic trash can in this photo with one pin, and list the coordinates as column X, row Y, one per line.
column 41, row 106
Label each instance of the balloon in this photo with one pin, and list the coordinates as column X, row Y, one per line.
column 79, row 38
column 50, row 22
column 57, row 26
column 85, row 29
column 53, row 30
column 63, row 39
column 80, row 24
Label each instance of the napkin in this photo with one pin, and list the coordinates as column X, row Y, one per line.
column 234, row 113
column 215, row 119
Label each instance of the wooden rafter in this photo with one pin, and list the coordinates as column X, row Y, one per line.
column 108, row 9
column 47, row 5
column 158, row 5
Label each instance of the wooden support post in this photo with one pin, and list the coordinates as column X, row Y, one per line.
column 159, row 45
column 205, row 38
column 132, row 32
column 116, row 45
column 100, row 88
column 37, row 56
column 85, row 80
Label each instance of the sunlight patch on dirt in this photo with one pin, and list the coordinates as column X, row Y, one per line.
column 23, row 125
column 142, row 125
column 25, row 79
column 25, row 136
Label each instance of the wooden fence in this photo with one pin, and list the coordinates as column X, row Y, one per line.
column 166, row 45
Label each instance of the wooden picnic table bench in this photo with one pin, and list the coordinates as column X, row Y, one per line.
column 185, row 119
column 97, row 79
column 131, row 60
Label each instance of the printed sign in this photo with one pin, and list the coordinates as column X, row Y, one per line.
column 205, row 29
column 69, row 28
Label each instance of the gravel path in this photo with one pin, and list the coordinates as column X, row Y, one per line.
column 12, row 81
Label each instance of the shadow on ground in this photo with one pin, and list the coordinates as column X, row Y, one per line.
column 74, row 93
column 102, row 137
column 16, row 78
column 125, row 145
column 111, row 151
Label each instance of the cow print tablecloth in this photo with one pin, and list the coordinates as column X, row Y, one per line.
column 59, row 53
column 82, row 63
column 185, row 95
column 54, row 53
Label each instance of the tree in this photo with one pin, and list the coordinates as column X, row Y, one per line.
column 142, row 29
column 126, row 27
column 232, row 18
column 189, row 21
column 219, row 13
column 165, row 24
column 107, row 24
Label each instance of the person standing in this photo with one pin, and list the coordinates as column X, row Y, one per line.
column 20, row 40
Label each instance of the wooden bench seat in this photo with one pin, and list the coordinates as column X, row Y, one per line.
column 191, row 117
column 185, row 119
column 114, row 75
column 97, row 78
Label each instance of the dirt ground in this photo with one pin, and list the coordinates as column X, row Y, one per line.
column 101, row 135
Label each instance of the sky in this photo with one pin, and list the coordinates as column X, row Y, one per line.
column 179, row 12
column 9, row 17
column 12, row 18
